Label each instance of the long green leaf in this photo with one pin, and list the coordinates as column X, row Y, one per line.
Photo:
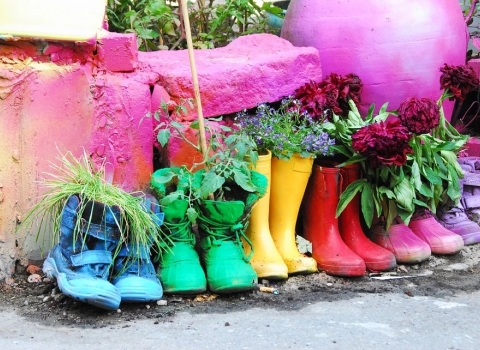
column 349, row 193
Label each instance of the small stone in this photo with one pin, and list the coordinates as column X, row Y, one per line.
column 119, row 311
column 147, row 306
column 329, row 284
column 415, row 267
column 458, row 267
column 47, row 298
column 47, row 280
column 34, row 269
column 35, row 278
column 162, row 302
column 59, row 297
column 227, row 324
column 402, row 268
column 55, row 291
column 25, row 303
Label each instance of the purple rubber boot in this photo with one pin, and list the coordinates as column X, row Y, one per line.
column 458, row 218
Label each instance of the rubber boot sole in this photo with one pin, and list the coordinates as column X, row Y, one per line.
column 104, row 296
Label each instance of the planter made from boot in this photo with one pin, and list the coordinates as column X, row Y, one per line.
column 395, row 47
column 266, row 260
column 221, row 226
column 289, row 181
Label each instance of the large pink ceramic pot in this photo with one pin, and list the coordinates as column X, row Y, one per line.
column 395, row 46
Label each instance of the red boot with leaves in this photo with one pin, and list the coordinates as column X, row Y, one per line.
column 376, row 258
column 320, row 226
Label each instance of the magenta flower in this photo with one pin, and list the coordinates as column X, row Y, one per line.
column 419, row 115
column 460, row 80
column 383, row 143
column 317, row 101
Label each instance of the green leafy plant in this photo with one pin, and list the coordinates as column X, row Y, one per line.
column 155, row 22
column 409, row 162
column 224, row 172
column 158, row 23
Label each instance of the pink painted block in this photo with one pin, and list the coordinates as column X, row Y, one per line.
column 250, row 70
column 117, row 52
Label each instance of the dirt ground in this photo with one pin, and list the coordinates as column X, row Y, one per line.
column 440, row 276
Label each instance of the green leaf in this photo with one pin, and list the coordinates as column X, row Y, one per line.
column 211, row 182
column 431, row 175
column 404, row 194
column 425, row 190
column 163, row 136
column 244, row 181
column 367, row 204
column 451, row 159
column 349, row 193
column 417, row 181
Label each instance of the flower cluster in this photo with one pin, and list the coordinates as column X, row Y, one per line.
column 285, row 130
column 459, row 80
column 329, row 96
column 419, row 115
column 385, row 142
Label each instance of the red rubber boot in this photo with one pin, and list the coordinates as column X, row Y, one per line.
column 320, row 226
column 376, row 258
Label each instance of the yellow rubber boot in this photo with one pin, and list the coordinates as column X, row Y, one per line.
column 289, row 181
column 266, row 260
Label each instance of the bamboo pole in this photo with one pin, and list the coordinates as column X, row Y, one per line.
column 196, row 89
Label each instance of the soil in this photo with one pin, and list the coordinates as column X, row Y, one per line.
column 440, row 276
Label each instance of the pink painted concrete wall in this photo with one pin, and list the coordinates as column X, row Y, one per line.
column 65, row 97
column 396, row 47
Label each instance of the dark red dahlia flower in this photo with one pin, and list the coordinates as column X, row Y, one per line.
column 419, row 115
column 349, row 87
column 459, row 80
column 318, row 101
column 383, row 143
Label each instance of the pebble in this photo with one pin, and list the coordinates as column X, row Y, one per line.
column 119, row 311
column 329, row 284
column 59, row 297
column 162, row 303
column 456, row 267
column 147, row 306
column 47, row 280
column 34, row 278
column 55, row 291
column 47, row 298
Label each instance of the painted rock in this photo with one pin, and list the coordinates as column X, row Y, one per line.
column 395, row 47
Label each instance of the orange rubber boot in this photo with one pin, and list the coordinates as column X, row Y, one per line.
column 376, row 258
column 321, row 226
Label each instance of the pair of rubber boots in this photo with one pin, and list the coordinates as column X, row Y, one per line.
column 463, row 218
column 339, row 245
column 416, row 242
column 221, row 226
column 83, row 259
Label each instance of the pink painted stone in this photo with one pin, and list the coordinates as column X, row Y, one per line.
column 250, row 70
column 395, row 47
column 117, row 52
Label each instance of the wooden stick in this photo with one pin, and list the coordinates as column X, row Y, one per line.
column 196, row 89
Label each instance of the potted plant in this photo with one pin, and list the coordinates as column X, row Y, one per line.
column 294, row 138
column 218, row 196
column 102, row 235
column 410, row 166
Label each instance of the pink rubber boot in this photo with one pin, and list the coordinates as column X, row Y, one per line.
column 440, row 239
column 401, row 241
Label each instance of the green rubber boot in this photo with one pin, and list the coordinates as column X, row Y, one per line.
column 222, row 226
column 179, row 264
